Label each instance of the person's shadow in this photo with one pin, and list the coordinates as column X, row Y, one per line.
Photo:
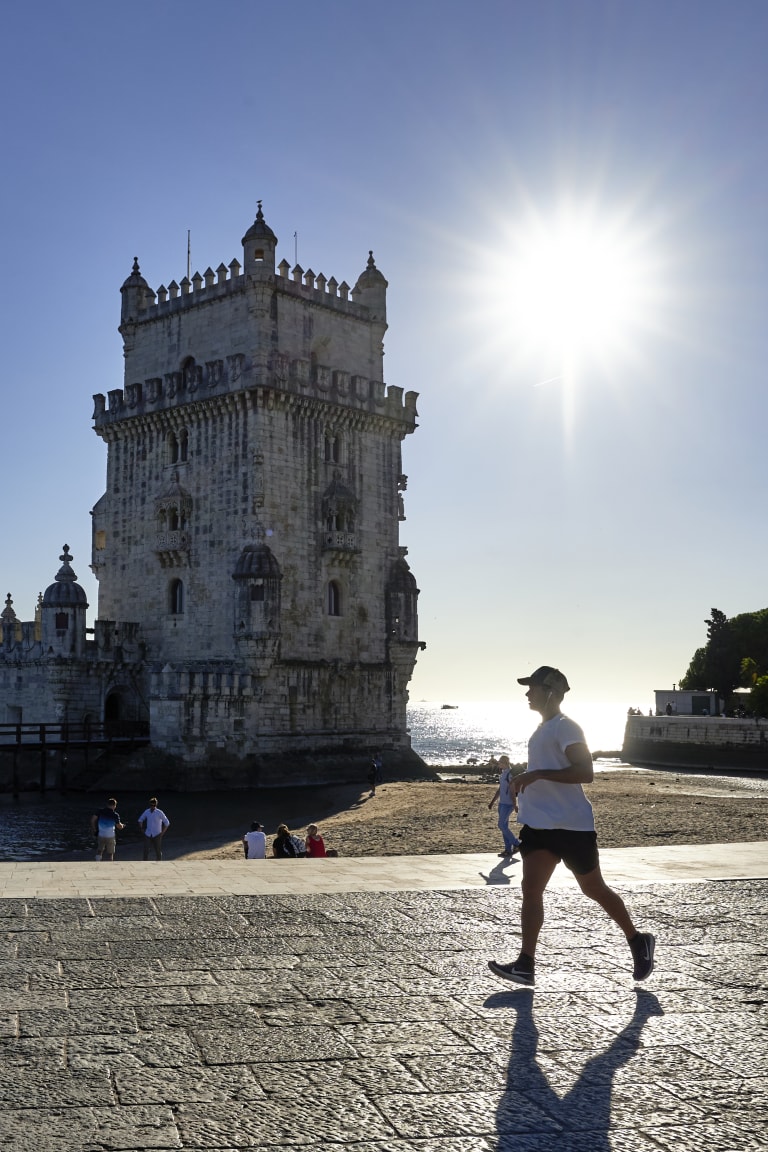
column 497, row 875
column 584, row 1111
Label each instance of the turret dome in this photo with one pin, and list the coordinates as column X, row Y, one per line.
column 65, row 592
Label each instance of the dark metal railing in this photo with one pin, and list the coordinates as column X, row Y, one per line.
column 67, row 736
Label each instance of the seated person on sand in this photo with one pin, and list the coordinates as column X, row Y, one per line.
column 285, row 846
column 255, row 843
column 314, row 843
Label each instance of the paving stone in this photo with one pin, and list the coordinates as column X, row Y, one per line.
column 65, row 1129
column 723, row 1136
column 45, row 1052
column 147, row 996
column 387, row 1075
column 63, row 1022
column 307, row 1122
column 465, row 1113
column 172, row 1048
column 236, row 1046
column 186, row 1084
column 401, row 1039
column 41, row 1087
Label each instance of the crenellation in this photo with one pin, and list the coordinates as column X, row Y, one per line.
column 341, row 382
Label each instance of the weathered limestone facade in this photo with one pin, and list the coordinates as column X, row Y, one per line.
column 250, row 525
column 52, row 671
column 255, row 604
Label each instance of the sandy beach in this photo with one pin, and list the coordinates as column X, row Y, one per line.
column 633, row 807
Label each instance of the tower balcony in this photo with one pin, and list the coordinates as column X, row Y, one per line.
column 340, row 542
column 172, row 548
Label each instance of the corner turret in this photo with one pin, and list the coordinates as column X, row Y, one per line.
column 137, row 295
column 63, row 612
column 259, row 245
column 371, row 290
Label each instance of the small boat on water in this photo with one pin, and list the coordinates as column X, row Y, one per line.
column 449, row 706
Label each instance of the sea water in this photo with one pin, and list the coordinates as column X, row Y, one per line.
column 472, row 732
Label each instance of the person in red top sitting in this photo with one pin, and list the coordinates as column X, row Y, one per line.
column 314, row 842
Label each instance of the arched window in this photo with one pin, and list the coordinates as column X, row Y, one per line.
column 334, row 599
column 176, row 598
column 332, row 448
column 177, row 447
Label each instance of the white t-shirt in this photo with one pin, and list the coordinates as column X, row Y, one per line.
column 506, row 791
column 257, row 845
column 546, row 804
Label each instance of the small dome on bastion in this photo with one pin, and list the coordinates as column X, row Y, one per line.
column 65, row 592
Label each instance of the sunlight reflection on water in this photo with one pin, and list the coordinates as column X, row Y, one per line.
column 477, row 730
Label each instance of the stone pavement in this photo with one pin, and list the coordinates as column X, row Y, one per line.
column 234, row 1008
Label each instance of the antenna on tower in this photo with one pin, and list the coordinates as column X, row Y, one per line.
column 189, row 254
column 295, row 247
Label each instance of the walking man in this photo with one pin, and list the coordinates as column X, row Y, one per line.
column 505, row 794
column 105, row 824
column 154, row 824
column 558, row 824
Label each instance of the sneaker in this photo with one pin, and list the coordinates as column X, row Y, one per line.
column 641, row 947
column 515, row 972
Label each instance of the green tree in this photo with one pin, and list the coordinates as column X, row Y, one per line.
column 735, row 655
column 717, row 666
column 758, row 697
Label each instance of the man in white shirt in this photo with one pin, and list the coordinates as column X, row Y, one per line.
column 154, row 824
column 558, row 824
column 255, row 843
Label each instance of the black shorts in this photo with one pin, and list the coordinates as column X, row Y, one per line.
column 577, row 850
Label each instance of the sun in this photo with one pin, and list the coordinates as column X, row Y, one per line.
column 578, row 290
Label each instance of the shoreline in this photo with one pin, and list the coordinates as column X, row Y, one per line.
column 634, row 806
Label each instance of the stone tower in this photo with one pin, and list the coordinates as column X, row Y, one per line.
column 250, row 524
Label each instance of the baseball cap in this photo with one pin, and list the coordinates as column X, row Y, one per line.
column 548, row 678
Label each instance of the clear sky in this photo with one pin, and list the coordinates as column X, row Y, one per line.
column 568, row 200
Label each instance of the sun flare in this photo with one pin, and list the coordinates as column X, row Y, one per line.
column 579, row 289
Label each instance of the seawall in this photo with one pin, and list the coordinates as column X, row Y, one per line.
column 697, row 742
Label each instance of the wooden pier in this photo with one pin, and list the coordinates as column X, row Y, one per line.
column 65, row 737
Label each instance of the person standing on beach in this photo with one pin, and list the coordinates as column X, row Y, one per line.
column 505, row 794
column 558, row 824
column 105, row 824
column 154, row 824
